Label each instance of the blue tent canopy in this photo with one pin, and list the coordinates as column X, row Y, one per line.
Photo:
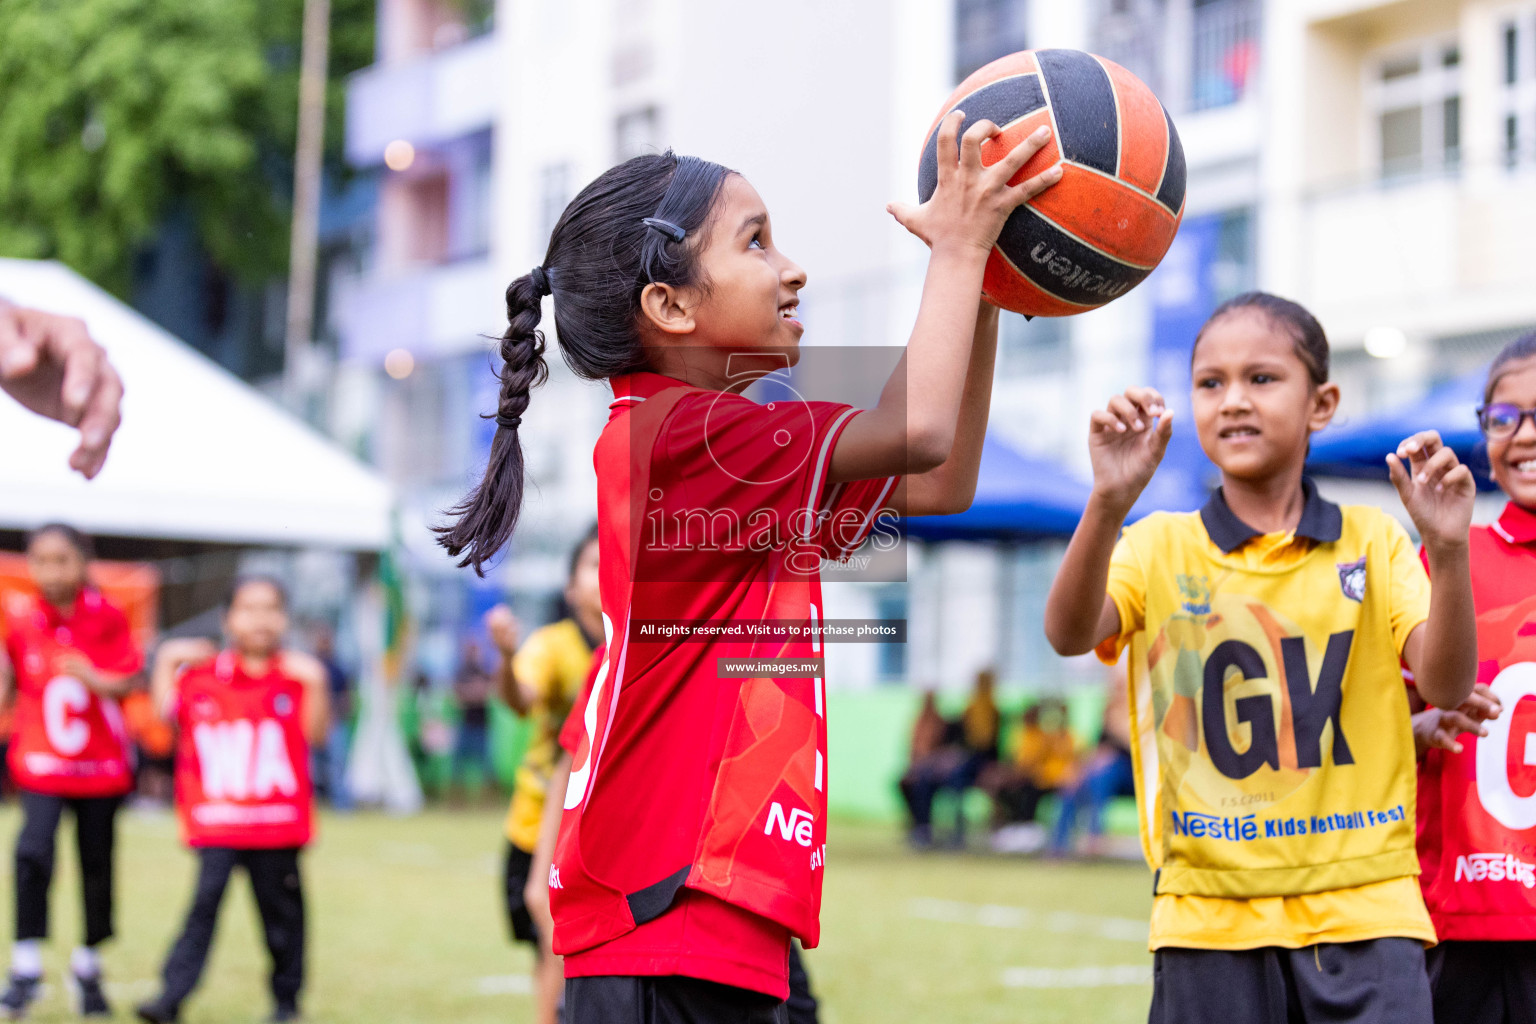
column 1023, row 497
column 1360, row 449
column 1018, row 497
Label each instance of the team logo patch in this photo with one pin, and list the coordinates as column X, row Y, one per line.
column 282, row 704
column 1352, row 579
column 1194, row 593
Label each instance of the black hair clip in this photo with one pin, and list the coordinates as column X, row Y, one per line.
column 540, row 278
column 665, row 227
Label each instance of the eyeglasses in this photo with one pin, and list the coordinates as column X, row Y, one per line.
column 1501, row 420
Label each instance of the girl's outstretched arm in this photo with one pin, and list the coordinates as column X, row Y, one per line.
column 1126, row 441
column 914, row 426
column 951, row 486
column 1438, row 491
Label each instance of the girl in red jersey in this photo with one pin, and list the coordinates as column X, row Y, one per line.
column 1477, row 814
column 68, row 658
column 692, row 843
column 246, row 719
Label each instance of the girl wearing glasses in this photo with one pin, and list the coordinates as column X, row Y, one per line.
column 1477, row 768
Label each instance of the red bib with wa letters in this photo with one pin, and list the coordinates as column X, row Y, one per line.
column 1477, row 809
column 712, row 509
column 242, row 761
column 68, row 741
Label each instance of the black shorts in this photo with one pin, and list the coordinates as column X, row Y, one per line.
column 666, row 999
column 1381, row 981
column 1483, row 982
column 514, row 876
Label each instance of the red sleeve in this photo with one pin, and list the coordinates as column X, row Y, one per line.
column 850, row 513
column 772, row 459
column 114, row 650
column 570, row 732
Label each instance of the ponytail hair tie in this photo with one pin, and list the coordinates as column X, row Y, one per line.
column 508, row 422
column 665, row 228
column 540, row 278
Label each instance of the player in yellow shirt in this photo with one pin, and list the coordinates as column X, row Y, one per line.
column 1270, row 728
column 540, row 678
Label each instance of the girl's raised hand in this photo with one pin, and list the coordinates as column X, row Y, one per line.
column 971, row 202
column 1435, row 488
column 1434, row 728
column 1126, row 441
column 178, row 652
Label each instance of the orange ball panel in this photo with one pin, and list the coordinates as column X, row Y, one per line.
column 1004, row 286
column 994, row 149
column 1143, row 130
column 1109, row 216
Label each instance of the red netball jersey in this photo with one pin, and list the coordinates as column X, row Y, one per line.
column 570, row 730
column 242, row 762
column 68, row 741
column 711, row 509
column 1477, row 809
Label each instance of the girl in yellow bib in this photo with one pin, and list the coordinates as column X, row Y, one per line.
column 1271, row 734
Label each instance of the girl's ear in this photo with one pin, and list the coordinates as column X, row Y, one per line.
column 667, row 309
column 1325, row 402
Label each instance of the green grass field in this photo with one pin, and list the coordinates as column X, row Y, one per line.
column 406, row 926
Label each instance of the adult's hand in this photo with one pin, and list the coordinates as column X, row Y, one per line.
column 49, row 364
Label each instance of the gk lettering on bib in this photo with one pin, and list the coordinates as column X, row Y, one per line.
column 242, row 767
column 1477, row 813
column 1272, row 742
column 68, row 741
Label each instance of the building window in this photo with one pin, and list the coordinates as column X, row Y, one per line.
column 1518, row 80
column 1130, row 33
column 1225, row 52
column 1232, row 268
column 554, row 194
column 636, row 133
column 1416, row 98
column 1032, row 348
column 472, row 180
column 986, row 30
column 427, row 215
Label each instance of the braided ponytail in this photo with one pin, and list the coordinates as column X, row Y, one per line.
column 483, row 521
column 604, row 253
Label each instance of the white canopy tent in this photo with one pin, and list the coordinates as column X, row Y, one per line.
column 200, row 456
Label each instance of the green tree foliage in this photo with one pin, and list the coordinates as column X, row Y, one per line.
column 113, row 113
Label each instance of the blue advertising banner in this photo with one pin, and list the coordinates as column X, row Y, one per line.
column 1184, row 292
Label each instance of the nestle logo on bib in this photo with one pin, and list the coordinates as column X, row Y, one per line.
column 1495, row 867
column 795, row 825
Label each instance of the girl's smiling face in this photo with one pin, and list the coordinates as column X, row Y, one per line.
column 1512, row 460
column 1254, row 401
column 748, row 304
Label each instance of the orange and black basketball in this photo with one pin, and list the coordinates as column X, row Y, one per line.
column 1094, row 235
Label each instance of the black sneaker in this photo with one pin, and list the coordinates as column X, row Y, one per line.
column 157, row 1011
column 19, row 994
column 90, row 1000
column 284, row 1014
